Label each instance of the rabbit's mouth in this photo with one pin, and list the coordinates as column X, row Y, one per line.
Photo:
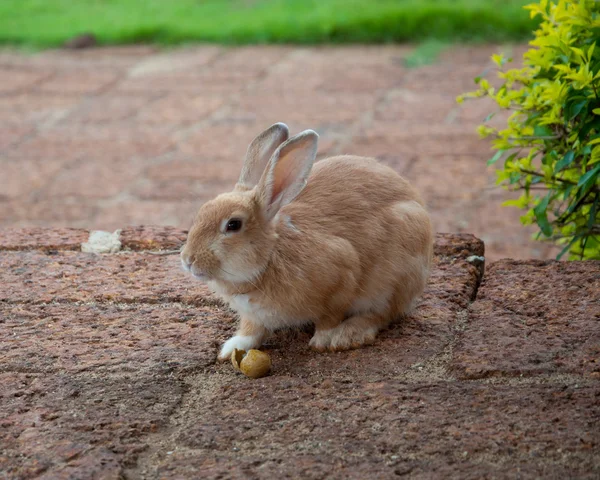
column 196, row 273
column 199, row 274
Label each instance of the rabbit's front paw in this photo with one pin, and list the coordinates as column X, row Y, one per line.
column 239, row 342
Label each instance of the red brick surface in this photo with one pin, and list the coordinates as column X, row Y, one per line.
column 100, row 337
column 44, row 239
column 34, row 277
column 107, row 370
column 149, row 237
column 533, row 317
column 106, row 137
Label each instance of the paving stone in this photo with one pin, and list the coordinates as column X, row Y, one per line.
column 449, row 79
column 224, row 140
column 420, row 140
column 44, row 239
column 29, row 109
column 248, row 60
column 110, row 338
column 178, row 189
column 327, row 69
column 350, row 56
column 33, row 277
column 433, row 176
column 181, row 60
column 361, row 79
column 98, row 143
column 319, row 109
column 13, row 135
column 180, row 109
column 108, row 108
column 533, row 317
column 82, row 81
column 455, row 245
column 183, row 83
column 78, row 426
column 24, row 176
column 352, row 428
column 148, row 237
column 116, row 214
column 36, row 211
column 194, row 167
column 90, row 179
column 407, row 107
column 16, row 80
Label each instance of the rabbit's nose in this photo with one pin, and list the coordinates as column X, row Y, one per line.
column 186, row 262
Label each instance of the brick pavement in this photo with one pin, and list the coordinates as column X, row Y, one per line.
column 107, row 370
column 105, row 137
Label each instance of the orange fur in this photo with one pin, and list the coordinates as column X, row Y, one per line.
column 350, row 253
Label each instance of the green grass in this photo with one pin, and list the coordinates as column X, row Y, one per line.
column 47, row 23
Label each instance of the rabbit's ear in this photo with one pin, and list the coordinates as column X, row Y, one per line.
column 259, row 152
column 287, row 172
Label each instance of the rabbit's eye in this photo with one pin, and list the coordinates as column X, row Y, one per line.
column 233, row 225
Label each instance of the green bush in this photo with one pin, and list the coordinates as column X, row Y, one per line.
column 551, row 144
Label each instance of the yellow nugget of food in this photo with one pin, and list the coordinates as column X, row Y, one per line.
column 254, row 364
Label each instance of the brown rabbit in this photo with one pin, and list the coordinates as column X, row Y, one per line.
column 346, row 244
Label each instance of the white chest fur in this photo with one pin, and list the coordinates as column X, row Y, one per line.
column 253, row 309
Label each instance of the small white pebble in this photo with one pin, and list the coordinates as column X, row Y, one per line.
column 102, row 242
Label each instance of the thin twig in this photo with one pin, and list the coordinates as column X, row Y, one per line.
column 165, row 252
column 552, row 177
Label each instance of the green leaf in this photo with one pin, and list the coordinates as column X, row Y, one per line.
column 589, row 179
column 489, row 117
column 541, row 215
column 567, row 191
column 531, row 117
column 593, row 210
column 542, row 131
column 594, row 137
column 594, row 123
column 576, row 108
column 570, row 104
column 509, row 159
column 495, row 158
column 514, row 177
column 566, row 249
column 565, row 161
